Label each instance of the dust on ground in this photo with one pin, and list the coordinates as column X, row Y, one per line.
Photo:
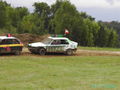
column 97, row 53
column 78, row 53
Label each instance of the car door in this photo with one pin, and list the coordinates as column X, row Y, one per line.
column 15, row 45
column 57, row 46
column 4, row 46
column 65, row 44
column 54, row 46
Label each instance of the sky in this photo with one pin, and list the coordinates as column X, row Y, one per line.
column 105, row 10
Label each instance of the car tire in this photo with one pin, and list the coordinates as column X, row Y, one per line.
column 42, row 51
column 69, row 52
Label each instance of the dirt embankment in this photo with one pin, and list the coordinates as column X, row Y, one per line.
column 28, row 38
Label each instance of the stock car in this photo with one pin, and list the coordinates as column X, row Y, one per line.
column 54, row 45
column 9, row 44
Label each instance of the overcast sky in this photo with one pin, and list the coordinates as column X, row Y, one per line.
column 105, row 10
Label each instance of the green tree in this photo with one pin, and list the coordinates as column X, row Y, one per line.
column 27, row 24
column 84, row 15
column 88, row 33
column 54, row 8
column 3, row 14
column 76, row 28
column 22, row 11
column 103, row 36
column 113, row 39
column 43, row 11
column 41, row 8
column 64, row 17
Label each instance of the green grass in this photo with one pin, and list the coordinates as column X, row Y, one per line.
column 61, row 73
column 99, row 48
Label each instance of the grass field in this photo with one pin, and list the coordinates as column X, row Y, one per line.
column 60, row 73
column 100, row 49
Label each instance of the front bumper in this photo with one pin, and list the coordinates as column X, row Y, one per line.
column 32, row 49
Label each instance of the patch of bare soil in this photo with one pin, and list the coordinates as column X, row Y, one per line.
column 97, row 53
column 78, row 53
column 30, row 38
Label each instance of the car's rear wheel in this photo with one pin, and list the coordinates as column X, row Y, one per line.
column 69, row 52
column 42, row 51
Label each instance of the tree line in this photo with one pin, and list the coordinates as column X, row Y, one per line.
column 55, row 19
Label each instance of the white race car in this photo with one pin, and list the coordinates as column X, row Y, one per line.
column 54, row 44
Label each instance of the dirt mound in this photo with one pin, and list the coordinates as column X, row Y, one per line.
column 30, row 38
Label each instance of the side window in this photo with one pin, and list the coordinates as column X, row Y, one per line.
column 6, row 41
column 64, row 42
column 56, row 42
column 15, row 41
column 10, row 41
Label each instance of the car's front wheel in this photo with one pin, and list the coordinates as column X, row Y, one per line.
column 42, row 51
column 69, row 52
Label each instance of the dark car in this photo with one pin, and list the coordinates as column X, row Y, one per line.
column 10, row 45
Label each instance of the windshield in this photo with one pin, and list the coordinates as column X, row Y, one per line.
column 47, row 41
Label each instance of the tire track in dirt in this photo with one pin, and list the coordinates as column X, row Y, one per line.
column 79, row 52
column 97, row 53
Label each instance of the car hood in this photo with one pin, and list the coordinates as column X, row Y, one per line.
column 75, row 43
column 37, row 44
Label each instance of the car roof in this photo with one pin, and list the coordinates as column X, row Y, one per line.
column 5, row 37
column 58, row 38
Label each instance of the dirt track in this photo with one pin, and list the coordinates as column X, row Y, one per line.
column 97, row 53
column 79, row 53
